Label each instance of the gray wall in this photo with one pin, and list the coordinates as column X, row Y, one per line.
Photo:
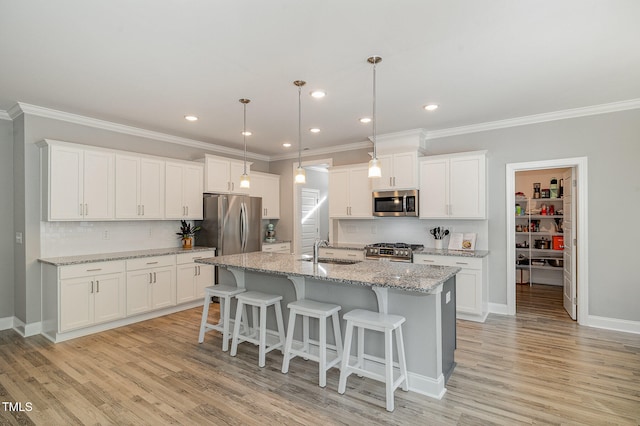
column 6, row 222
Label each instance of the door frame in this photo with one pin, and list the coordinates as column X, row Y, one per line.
column 297, row 231
column 580, row 194
column 316, row 212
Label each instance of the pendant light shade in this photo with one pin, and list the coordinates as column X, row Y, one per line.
column 245, row 181
column 300, row 173
column 374, row 165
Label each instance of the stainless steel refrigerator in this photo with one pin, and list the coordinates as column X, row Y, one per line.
column 231, row 224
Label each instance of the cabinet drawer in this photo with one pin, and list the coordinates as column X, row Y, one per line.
column 150, row 262
column 284, row 247
column 183, row 258
column 341, row 253
column 91, row 269
column 459, row 261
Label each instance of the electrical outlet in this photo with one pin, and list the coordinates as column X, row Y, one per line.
column 447, row 297
column 19, row 237
column 105, row 234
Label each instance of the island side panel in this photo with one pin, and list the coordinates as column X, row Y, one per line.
column 449, row 332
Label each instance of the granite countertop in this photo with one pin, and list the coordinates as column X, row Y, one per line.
column 345, row 246
column 460, row 253
column 122, row 255
column 395, row 275
column 276, row 242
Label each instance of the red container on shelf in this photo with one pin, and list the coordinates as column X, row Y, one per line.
column 558, row 242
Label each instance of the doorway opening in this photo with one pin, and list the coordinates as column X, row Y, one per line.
column 311, row 206
column 547, row 235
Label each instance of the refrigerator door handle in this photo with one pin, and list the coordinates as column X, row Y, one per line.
column 242, row 227
column 245, row 227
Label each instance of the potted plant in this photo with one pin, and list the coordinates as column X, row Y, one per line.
column 187, row 233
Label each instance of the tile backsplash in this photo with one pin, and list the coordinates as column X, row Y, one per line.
column 77, row 238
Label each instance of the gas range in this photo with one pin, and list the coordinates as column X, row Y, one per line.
column 394, row 252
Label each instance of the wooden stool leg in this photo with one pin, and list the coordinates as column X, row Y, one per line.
column 401, row 359
column 322, row 355
column 205, row 316
column 236, row 328
column 280, row 325
column 289, row 341
column 263, row 335
column 344, row 366
column 225, row 316
column 388, row 368
column 337, row 335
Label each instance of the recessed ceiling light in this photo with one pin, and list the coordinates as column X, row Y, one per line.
column 286, row 145
column 314, row 130
column 318, row 94
column 431, row 107
column 365, row 120
column 247, row 133
column 191, row 118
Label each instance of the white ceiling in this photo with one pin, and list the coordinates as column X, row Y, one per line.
column 147, row 63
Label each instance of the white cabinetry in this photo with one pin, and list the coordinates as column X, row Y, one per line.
column 183, row 190
column 90, row 294
column 139, row 187
column 151, row 284
column 192, row 278
column 343, row 254
column 78, row 183
column 350, row 192
column 399, row 171
column 471, row 283
column 284, row 248
column 267, row 186
column 222, row 175
column 453, row 186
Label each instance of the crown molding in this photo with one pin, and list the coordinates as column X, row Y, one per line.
column 322, row 151
column 537, row 118
column 4, row 115
column 24, row 108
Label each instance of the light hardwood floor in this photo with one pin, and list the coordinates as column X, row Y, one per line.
column 538, row 367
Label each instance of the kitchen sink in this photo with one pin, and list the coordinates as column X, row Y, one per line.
column 332, row 261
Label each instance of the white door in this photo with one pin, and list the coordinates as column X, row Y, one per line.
column 434, row 188
column 151, row 188
column 174, row 207
column 192, row 192
column 569, row 230
column 405, row 170
column 66, row 183
column 109, row 298
column 185, row 288
column 466, row 187
column 163, row 293
column 76, row 303
column 339, row 193
column 127, row 203
column 98, row 185
column 309, row 219
column 360, row 192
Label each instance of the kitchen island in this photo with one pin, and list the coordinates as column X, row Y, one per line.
column 423, row 294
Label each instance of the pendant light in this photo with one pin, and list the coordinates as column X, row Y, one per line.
column 374, row 165
column 245, row 181
column 300, row 174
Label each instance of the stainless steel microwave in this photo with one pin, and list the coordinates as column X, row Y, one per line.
column 395, row 203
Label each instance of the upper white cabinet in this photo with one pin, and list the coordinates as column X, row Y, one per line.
column 222, row 175
column 139, row 187
column 399, row 171
column 350, row 192
column 453, row 186
column 267, row 186
column 78, row 183
column 183, row 190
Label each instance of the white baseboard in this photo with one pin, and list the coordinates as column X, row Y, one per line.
column 6, row 323
column 612, row 324
column 27, row 330
column 498, row 308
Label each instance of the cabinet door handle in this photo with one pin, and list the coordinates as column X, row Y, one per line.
column 154, row 277
column 198, row 270
column 98, row 286
column 150, row 277
column 151, row 263
column 428, row 261
column 143, row 210
column 80, row 210
column 95, row 269
column 187, row 207
column 461, row 263
column 91, row 287
column 86, row 210
column 138, row 210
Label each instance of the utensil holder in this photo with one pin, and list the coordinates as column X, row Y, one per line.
column 438, row 244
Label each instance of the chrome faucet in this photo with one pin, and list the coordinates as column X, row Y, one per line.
column 316, row 248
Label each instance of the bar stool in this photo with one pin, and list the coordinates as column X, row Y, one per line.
column 262, row 301
column 321, row 311
column 376, row 321
column 224, row 293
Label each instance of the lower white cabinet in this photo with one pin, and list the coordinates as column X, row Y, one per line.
column 191, row 277
column 91, row 294
column 338, row 253
column 471, row 283
column 151, row 284
column 284, row 248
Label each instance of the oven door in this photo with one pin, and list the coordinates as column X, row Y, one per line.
column 395, row 203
